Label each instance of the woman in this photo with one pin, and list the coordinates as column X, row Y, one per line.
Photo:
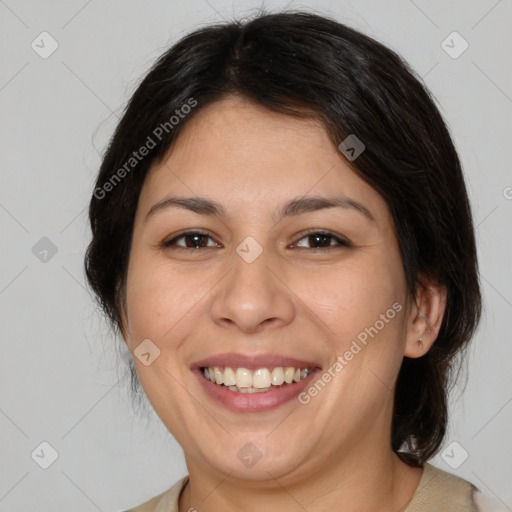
column 282, row 235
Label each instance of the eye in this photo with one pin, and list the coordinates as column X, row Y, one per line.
column 323, row 239
column 199, row 240
column 193, row 240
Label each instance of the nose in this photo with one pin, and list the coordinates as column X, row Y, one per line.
column 253, row 295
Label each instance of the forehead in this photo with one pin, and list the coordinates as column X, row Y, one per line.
column 243, row 152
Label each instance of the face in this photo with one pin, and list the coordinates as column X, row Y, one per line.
column 265, row 284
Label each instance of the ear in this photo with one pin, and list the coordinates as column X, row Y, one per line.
column 425, row 317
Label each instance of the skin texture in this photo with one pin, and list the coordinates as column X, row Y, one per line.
column 294, row 300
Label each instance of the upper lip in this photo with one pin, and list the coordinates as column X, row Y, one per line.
column 252, row 362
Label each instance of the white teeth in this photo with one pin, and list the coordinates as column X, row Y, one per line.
column 229, row 377
column 288, row 375
column 261, row 378
column 247, row 390
column 277, row 376
column 218, row 375
column 244, row 380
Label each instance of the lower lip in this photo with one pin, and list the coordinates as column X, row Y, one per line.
column 253, row 402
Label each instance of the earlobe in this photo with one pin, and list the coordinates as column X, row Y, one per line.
column 416, row 348
column 425, row 318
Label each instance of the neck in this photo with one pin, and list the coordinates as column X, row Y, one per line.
column 357, row 479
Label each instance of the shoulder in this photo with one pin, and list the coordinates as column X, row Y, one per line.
column 442, row 491
column 164, row 502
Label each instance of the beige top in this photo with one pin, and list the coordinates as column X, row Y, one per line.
column 438, row 491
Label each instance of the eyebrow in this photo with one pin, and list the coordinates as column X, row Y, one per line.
column 296, row 206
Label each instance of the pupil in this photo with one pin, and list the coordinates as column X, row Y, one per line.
column 196, row 239
column 324, row 237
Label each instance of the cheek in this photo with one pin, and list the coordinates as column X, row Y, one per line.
column 362, row 305
column 352, row 297
column 159, row 298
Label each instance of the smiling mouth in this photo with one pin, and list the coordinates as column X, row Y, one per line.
column 244, row 380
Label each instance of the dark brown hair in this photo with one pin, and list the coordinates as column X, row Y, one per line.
column 303, row 64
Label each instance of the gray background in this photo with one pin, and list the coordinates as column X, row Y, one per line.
column 62, row 378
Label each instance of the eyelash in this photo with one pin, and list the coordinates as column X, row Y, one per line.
column 341, row 241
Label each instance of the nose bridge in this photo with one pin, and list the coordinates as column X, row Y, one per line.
column 250, row 267
column 251, row 294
